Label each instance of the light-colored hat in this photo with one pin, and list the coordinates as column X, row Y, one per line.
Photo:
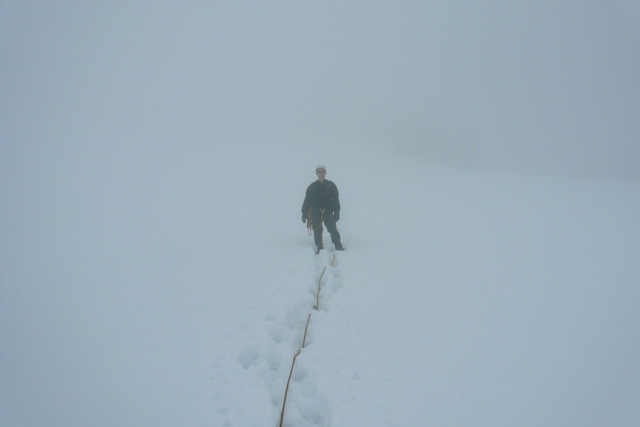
column 321, row 167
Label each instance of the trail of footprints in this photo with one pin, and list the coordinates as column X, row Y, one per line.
column 271, row 360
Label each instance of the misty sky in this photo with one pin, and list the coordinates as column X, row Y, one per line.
column 548, row 88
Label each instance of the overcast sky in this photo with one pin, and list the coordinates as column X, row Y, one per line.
column 543, row 87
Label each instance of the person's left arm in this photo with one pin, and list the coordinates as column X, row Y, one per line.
column 336, row 203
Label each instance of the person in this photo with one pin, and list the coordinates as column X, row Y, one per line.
column 322, row 204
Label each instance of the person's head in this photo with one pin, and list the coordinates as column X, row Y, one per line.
column 321, row 172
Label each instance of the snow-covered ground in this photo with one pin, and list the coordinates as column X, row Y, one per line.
column 179, row 296
column 154, row 271
column 465, row 298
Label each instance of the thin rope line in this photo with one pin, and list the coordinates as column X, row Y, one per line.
column 286, row 391
column 317, row 306
column 310, row 228
column 304, row 341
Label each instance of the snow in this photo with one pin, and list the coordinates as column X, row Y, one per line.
column 481, row 299
column 464, row 297
column 154, row 270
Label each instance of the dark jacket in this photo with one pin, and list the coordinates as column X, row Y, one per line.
column 322, row 195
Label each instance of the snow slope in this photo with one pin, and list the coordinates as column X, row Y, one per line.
column 466, row 298
column 176, row 292
column 154, row 270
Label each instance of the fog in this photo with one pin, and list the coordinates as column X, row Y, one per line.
column 536, row 88
column 145, row 145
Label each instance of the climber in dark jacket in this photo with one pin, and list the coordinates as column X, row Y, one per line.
column 322, row 204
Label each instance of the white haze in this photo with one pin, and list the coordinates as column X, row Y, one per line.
column 153, row 160
column 538, row 88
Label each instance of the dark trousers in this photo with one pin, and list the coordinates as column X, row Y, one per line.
column 317, row 218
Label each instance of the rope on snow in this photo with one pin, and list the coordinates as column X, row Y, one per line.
column 304, row 340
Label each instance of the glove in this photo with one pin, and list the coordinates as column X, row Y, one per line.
column 336, row 216
column 304, row 217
